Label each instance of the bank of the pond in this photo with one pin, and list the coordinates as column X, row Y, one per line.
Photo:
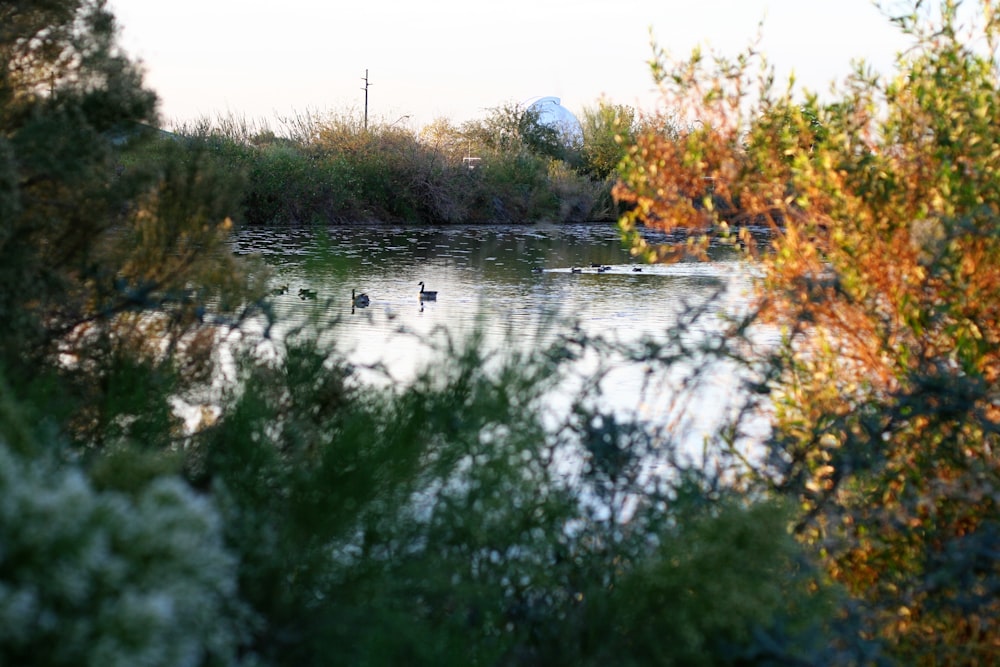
column 505, row 168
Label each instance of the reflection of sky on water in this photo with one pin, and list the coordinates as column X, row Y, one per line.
column 516, row 284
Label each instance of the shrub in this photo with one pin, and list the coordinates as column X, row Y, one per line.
column 430, row 524
column 333, row 169
column 883, row 274
column 92, row 577
column 608, row 131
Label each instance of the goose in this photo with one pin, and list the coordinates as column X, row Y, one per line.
column 360, row 300
column 426, row 295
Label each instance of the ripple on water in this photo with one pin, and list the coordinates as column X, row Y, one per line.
column 484, row 278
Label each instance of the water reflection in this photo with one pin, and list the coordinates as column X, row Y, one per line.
column 516, row 284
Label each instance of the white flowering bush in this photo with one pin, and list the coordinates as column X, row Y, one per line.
column 100, row 578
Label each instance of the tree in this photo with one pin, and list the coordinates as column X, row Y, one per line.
column 111, row 239
column 444, row 138
column 884, row 275
column 512, row 128
column 608, row 131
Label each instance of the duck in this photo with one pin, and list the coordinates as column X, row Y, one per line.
column 307, row 293
column 637, row 269
column 576, row 269
column 360, row 300
column 426, row 295
column 278, row 291
column 536, row 269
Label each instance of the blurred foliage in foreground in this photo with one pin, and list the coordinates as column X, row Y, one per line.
column 297, row 515
column 884, row 274
column 309, row 517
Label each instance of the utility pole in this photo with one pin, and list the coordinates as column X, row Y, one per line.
column 367, row 83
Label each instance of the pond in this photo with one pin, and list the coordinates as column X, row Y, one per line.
column 516, row 284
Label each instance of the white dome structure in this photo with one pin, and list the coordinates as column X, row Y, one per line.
column 558, row 117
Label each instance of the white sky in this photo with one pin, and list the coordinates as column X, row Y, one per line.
column 262, row 59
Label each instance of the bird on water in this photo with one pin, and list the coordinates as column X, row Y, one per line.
column 360, row 300
column 427, row 295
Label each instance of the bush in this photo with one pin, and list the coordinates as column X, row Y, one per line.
column 884, row 207
column 333, row 169
column 101, row 578
column 429, row 524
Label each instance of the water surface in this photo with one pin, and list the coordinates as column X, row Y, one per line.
column 516, row 283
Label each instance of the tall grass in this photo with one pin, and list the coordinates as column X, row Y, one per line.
column 331, row 168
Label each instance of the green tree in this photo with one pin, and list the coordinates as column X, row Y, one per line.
column 511, row 128
column 113, row 266
column 608, row 131
column 543, row 139
column 882, row 272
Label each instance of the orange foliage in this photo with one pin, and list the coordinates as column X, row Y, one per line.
column 884, row 270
